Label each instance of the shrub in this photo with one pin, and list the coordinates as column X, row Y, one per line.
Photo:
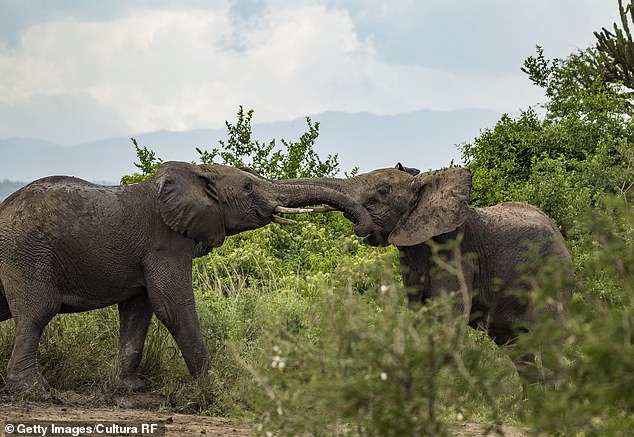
column 589, row 349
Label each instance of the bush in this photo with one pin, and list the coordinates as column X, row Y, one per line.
column 589, row 348
column 368, row 365
column 575, row 163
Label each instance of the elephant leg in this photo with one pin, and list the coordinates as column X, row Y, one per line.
column 526, row 364
column 528, row 367
column 172, row 298
column 184, row 326
column 451, row 277
column 31, row 300
column 415, row 265
column 135, row 315
column 23, row 372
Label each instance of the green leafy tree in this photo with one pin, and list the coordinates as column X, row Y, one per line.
column 148, row 164
column 614, row 52
column 240, row 149
column 574, row 85
column 561, row 161
column 575, row 161
column 295, row 159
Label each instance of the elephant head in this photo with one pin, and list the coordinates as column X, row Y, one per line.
column 208, row 202
column 408, row 207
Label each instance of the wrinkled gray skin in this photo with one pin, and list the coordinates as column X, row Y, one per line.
column 67, row 245
column 411, row 209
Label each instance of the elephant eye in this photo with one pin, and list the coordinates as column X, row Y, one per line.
column 248, row 186
column 384, row 190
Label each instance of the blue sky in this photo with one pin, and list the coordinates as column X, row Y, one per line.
column 75, row 71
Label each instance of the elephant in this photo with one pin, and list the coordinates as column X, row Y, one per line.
column 68, row 245
column 497, row 244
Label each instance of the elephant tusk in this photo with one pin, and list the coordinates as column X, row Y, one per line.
column 314, row 209
column 285, row 210
column 324, row 208
column 283, row 221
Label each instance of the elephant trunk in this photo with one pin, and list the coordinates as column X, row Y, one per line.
column 296, row 194
column 339, row 184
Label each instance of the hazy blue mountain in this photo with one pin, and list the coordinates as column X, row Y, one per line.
column 8, row 187
column 423, row 139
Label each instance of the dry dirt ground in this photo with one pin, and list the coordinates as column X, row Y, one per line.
column 128, row 410
column 141, row 410
column 175, row 424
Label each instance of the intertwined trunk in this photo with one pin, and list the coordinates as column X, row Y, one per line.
column 308, row 191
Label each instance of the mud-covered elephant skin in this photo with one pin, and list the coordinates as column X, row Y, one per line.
column 411, row 209
column 67, row 245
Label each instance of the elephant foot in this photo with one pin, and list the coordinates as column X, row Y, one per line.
column 131, row 383
column 31, row 385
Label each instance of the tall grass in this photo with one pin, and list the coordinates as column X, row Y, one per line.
column 308, row 332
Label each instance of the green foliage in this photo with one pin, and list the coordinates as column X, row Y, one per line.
column 614, row 49
column 576, row 163
column 564, row 161
column 502, row 155
column 588, row 350
column 240, row 149
column 76, row 351
column 368, row 365
column 148, row 164
column 574, row 86
column 297, row 159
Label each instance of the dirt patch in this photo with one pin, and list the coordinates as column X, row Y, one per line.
column 175, row 424
column 140, row 409
column 477, row 429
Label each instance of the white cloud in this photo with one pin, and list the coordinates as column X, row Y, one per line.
column 180, row 69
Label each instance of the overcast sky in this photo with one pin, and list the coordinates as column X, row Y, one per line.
column 73, row 71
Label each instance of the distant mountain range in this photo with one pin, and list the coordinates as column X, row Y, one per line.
column 423, row 139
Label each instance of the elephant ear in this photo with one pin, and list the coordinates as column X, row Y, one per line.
column 411, row 170
column 441, row 206
column 188, row 202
